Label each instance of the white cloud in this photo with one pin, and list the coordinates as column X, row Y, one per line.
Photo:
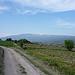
column 4, row 35
column 42, row 6
column 30, row 11
column 38, row 11
column 62, row 23
column 51, row 5
column 2, row 8
column 26, row 11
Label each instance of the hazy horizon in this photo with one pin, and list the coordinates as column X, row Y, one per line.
column 33, row 34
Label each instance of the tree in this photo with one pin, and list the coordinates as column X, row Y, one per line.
column 21, row 44
column 8, row 39
column 15, row 41
column 69, row 44
column 24, row 41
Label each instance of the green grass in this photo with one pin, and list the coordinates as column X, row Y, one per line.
column 7, row 43
column 23, row 69
column 1, row 61
column 62, row 60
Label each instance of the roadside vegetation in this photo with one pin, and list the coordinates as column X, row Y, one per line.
column 1, row 61
column 22, row 42
column 55, row 57
column 13, row 43
column 7, row 43
column 60, row 59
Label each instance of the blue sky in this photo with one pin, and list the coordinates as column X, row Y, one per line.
column 50, row 17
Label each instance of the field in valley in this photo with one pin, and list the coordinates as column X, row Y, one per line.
column 55, row 58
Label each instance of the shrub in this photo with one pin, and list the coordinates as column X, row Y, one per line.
column 69, row 44
column 8, row 39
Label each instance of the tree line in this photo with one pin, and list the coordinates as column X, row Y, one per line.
column 20, row 42
column 69, row 44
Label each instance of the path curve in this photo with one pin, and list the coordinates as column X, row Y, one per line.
column 12, row 59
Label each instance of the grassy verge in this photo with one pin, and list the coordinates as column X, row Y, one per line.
column 7, row 43
column 1, row 61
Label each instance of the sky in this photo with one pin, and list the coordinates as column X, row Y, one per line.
column 50, row 17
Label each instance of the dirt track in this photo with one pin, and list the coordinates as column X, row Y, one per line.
column 12, row 61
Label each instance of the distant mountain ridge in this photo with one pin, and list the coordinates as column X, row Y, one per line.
column 41, row 38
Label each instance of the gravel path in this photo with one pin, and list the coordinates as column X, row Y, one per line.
column 12, row 61
column 11, row 65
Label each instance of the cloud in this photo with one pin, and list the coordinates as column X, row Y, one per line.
column 50, row 5
column 27, row 6
column 26, row 11
column 64, row 24
column 4, row 35
column 2, row 8
column 30, row 11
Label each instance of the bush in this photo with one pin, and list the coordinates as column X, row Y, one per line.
column 21, row 44
column 69, row 44
column 8, row 39
column 24, row 41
